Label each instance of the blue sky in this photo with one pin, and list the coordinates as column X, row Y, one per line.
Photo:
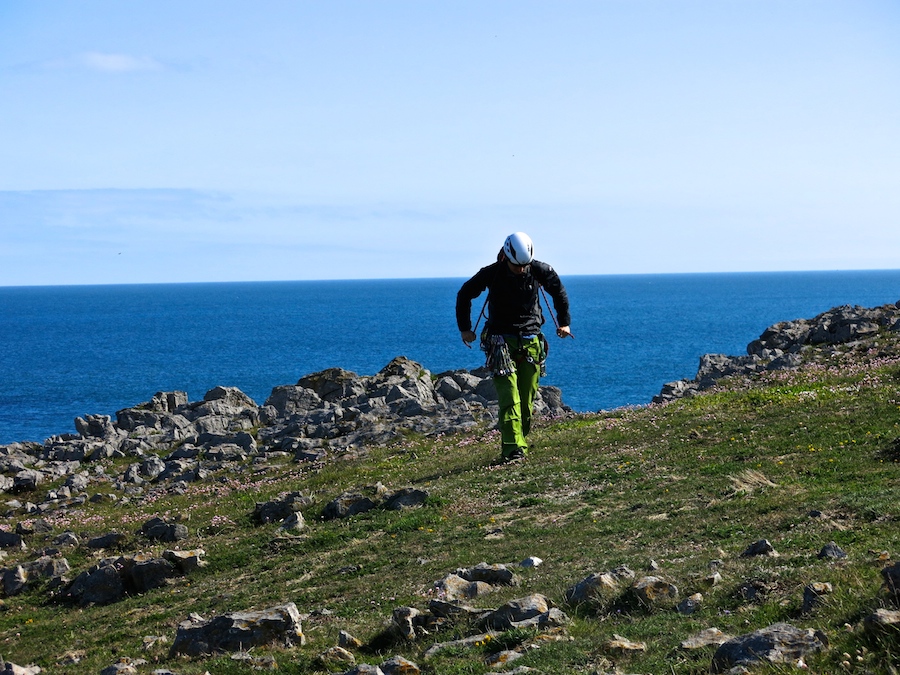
column 228, row 141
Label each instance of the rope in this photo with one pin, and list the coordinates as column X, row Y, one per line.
column 483, row 307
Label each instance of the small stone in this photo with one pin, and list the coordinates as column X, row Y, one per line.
column 833, row 551
column 812, row 594
column 620, row 644
column 690, row 604
column 348, row 641
column 706, row 638
column 760, row 547
column 337, row 656
column 503, row 658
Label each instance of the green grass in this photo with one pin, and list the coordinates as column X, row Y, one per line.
column 798, row 458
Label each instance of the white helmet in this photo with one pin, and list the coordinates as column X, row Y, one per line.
column 518, row 248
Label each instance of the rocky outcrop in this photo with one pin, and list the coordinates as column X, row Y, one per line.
column 332, row 413
column 112, row 578
column 781, row 346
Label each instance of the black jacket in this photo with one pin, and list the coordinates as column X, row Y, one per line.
column 514, row 302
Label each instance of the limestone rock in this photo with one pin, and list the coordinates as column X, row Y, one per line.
column 109, row 540
column 883, row 620
column 240, row 630
column 337, row 656
column 405, row 498
column 348, row 641
column 760, row 547
column 591, row 588
column 10, row 668
column 495, row 574
column 159, row 530
column 779, row 643
column 891, row 576
column 651, row 590
column 186, row 561
column 101, row 585
column 690, row 604
column 397, row 665
column 404, row 621
column 813, row 594
column 832, row 551
column 620, row 644
column 706, row 638
column 530, row 610
column 454, row 587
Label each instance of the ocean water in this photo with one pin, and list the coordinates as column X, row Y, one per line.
column 75, row 350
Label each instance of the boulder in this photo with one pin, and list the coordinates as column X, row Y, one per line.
column 592, row 588
column 109, row 540
column 832, row 551
column 779, row 643
column 518, row 613
column 883, row 621
column 240, row 631
column 651, row 591
column 351, row 503
column 496, row 574
column 760, row 547
column 891, row 576
column 149, row 574
column 405, row 498
column 101, row 585
column 813, row 594
column 186, row 561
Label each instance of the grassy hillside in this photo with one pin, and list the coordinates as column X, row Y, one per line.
column 800, row 458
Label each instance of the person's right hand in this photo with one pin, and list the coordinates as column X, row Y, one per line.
column 468, row 337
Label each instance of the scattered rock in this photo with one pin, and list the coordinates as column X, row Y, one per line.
column 779, row 643
column 239, row 631
column 690, row 604
column 882, row 621
column 813, row 594
column 760, row 547
column 530, row 611
column 10, row 668
column 397, row 665
column 496, row 575
column 404, row 499
column 706, row 638
column 891, row 576
column 780, row 346
column 336, row 657
column 159, row 530
column 651, row 591
column 620, row 644
column 110, row 540
column 348, row 641
column 832, row 551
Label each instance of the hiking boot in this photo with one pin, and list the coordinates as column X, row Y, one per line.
column 517, row 455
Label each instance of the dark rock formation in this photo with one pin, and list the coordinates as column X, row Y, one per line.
column 240, row 631
column 779, row 643
column 781, row 346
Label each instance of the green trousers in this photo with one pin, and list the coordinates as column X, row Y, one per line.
column 516, row 392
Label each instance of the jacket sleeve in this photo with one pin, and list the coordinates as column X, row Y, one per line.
column 550, row 280
column 469, row 291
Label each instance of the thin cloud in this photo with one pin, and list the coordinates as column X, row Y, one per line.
column 102, row 62
column 117, row 63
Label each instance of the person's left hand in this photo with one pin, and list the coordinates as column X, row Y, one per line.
column 564, row 332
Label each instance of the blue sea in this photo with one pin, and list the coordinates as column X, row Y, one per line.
column 69, row 351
